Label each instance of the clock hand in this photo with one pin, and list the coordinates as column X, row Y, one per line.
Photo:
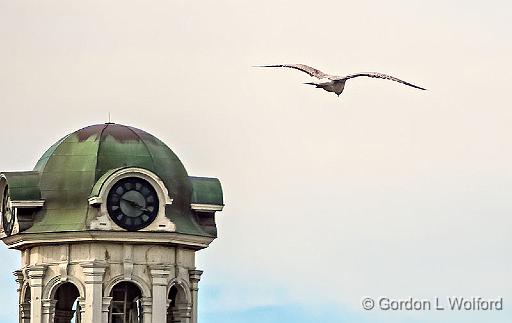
column 132, row 203
column 135, row 205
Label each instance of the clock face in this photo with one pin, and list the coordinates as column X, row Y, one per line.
column 132, row 203
column 7, row 212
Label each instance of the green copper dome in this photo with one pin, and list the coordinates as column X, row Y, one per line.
column 70, row 168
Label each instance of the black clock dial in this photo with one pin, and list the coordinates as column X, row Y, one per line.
column 132, row 203
column 7, row 212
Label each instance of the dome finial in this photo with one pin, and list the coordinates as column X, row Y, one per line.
column 109, row 121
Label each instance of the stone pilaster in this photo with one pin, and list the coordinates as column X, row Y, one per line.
column 36, row 275
column 81, row 309
column 159, row 281
column 147, row 309
column 25, row 313
column 181, row 313
column 194, row 278
column 49, row 310
column 105, row 307
column 93, row 272
column 19, row 279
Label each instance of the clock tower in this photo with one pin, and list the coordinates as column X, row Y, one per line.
column 108, row 224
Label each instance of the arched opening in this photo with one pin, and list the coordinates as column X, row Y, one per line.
column 179, row 308
column 25, row 306
column 67, row 309
column 126, row 305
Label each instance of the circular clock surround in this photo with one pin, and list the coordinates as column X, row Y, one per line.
column 132, row 203
column 7, row 211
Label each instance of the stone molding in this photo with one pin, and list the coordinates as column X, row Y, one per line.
column 51, row 286
column 25, row 312
column 49, row 306
column 206, row 207
column 141, row 283
column 93, row 271
column 81, row 303
column 160, row 274
column 146, row 304
column 36, row 275
column 194, row 277
column 183, row 286
column 24, row 240
column 20, row 279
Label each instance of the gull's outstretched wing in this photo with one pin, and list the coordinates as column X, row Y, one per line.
column 304, row 68
column 380, row 76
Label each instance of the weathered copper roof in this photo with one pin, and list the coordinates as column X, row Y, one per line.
column 69, row 169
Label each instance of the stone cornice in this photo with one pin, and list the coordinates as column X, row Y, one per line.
column 93, row 271
column 194, row 277
column 24, row 240
column 36, row 274
column 206, row 207
column 36, row 271
column 27, row 204
column 195, row 274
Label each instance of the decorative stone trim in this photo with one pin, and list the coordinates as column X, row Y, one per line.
column 27, row 204
column 52, row 285
column 181, row 313
column 48, row 311
column 159, row 278
column 93, row 271
column 20, row 278
column 25, row 312
column 145, row 289
column 194, row 277
column 81, row 304
column 106, row 303
column 183, row 286
column 103, row 221
column 128, row 261
column 63, row 266
column 105, row 308
column 159, row 274
column 206, row 207
column 23, row 240
column 146, row 304
column 36, row 274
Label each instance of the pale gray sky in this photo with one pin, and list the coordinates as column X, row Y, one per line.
column 386, row 190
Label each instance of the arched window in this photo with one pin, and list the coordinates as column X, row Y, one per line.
column 179, row 308
column 25, row 306
column 126, row 306
column 67, row 309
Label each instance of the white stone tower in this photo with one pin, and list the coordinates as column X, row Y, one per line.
column 108, row 224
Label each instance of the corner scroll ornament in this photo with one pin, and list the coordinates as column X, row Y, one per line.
column 64, row 263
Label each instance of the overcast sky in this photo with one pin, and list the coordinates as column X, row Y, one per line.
column 384, row 191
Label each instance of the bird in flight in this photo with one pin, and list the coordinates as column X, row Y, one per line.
column 334, row 83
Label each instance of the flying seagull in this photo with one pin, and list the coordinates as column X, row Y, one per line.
column 334, row 83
